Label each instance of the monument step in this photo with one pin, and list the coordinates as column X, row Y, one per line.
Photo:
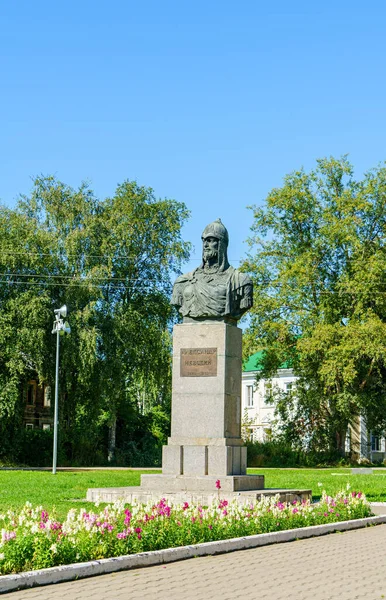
column 136, row 494
column 201, row 483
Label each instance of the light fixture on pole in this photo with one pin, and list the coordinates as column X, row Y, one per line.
column 60, row 328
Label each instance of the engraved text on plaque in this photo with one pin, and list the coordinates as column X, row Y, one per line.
column 198, row 362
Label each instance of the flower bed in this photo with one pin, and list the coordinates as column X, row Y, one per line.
column 33, row 539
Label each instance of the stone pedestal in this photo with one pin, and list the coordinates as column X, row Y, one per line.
column 205, row 442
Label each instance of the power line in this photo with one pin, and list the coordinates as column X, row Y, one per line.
column 143, row 284
column 74, row 277
column 85, row 255
column 65, row 255
column 63, row 285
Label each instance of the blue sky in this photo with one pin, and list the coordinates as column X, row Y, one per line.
column 210, row 103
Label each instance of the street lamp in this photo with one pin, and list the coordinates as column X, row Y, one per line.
column 60, row 328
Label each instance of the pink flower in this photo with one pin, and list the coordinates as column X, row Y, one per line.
column 138, row 530
column 185, row 506
column 210, row 527
column 295, row 510
column 6, row 536
column 162, row 508
column 218, row 484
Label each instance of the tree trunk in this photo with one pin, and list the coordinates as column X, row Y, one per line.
column 341, row 440
column 112, row 439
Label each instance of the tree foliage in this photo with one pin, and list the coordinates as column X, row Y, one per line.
column 318, row 258
column 111, row 261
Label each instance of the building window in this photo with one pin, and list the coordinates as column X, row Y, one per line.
column 249, row 396
column 375, row 443
column 31, row 393
column 268, row 391
column 288, row 387
column 47, row 395
column 347, row 443
column 46, row 426
column 29, row 425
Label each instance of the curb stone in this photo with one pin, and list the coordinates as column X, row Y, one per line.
column 28, row 579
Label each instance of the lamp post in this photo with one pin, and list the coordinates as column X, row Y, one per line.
column 60, row 328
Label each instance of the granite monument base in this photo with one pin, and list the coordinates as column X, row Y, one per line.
column 163, row 484
column 139, row 495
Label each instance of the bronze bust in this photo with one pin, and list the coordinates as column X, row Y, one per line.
column 215, row 290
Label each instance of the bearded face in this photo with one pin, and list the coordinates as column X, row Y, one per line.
column 210, row 247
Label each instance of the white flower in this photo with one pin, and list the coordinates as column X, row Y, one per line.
column 54, row 548
column 2, row 556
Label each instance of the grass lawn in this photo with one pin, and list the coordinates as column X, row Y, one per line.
column 332, row 480
column 66, row 490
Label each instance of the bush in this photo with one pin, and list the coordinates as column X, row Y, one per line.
column 36, row 448
column 278, row 453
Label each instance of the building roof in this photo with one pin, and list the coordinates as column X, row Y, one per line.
column 254, row 363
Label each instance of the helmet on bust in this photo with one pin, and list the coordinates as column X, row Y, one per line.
column 217, row 230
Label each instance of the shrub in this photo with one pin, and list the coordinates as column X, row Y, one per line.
column 278, row 453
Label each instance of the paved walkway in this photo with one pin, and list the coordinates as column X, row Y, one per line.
column 339, row 566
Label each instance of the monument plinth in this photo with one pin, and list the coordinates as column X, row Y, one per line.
column 205, row 444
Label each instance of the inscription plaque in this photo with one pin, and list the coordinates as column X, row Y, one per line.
column 198, row 362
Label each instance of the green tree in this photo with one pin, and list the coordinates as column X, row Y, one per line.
column 111, row 261
column 318, row 259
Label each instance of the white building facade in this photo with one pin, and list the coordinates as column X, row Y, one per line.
column 258, row 412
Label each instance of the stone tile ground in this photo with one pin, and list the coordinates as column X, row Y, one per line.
column 339, row 566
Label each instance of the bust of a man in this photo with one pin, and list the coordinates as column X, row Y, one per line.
column 214, row 290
